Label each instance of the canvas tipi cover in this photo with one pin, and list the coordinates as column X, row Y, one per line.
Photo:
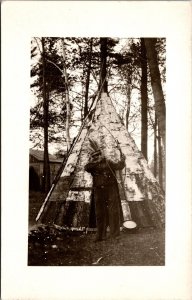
column 70, row 202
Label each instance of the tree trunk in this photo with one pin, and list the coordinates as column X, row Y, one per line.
column 68, row 116
column 103, row 73
column 156, row 85
column 46, row 166
column 160, row 160
column 144, row 100
column 88, row 78
column 155, row 147
column 128, row 105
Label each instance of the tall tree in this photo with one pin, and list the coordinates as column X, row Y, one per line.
column 144, row 100
column 156, row 85
column 103, row 76
column 129, row 70
column 160, row 159
column 51, row 65
column 46, row 166
column 68, row 116
column 128, row 94
column 155, row 147
column 88, row 77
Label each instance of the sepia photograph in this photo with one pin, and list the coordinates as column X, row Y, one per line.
column 97, row 156
column 96, row 150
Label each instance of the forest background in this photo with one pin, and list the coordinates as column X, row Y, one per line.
column 66, row 75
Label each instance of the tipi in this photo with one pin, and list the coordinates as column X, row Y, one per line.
column 70, row 203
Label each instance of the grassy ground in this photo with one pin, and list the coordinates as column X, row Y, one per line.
column 52, row 247
column 49, row 247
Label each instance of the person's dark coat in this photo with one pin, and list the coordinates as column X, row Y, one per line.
column 106, row 195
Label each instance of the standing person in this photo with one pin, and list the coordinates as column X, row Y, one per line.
column 106, row 195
